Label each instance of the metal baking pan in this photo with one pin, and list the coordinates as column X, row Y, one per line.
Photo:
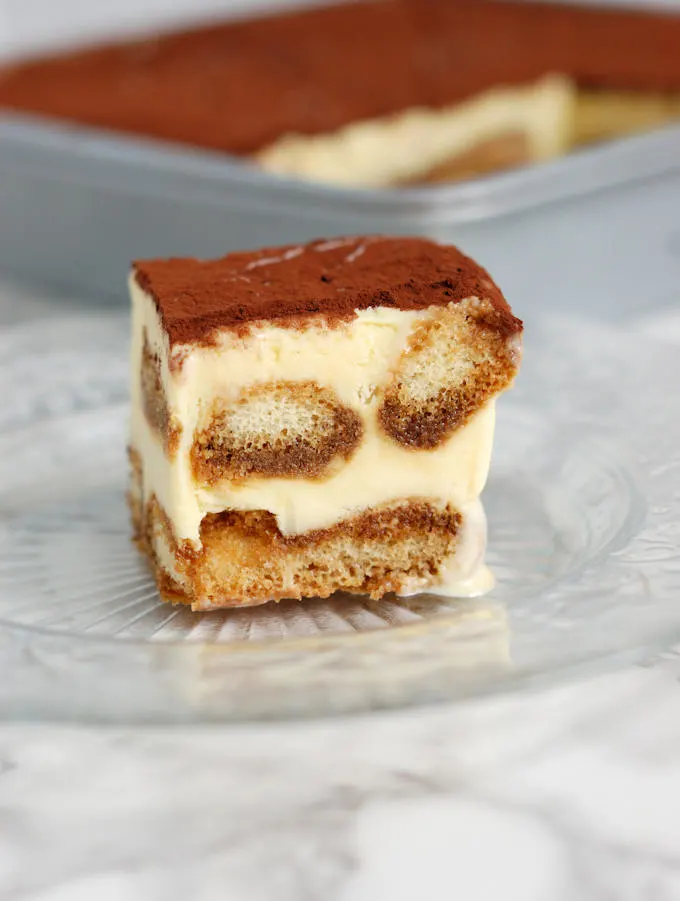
column 597, row 231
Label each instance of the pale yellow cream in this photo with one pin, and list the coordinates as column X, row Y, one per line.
column 405, row 146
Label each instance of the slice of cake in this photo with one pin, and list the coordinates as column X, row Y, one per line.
column 315, row 418
column 374, row 93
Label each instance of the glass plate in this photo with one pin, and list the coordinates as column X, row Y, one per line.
column 583, row 505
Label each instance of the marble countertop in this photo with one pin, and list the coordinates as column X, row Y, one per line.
column 570, row 793
column 566, row 793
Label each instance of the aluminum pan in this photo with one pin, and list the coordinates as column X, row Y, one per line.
column 598, row 230
column 87, row 155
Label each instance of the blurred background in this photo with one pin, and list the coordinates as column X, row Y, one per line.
column 35, row 24
column 77, row 204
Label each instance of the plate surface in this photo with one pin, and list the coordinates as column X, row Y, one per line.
column 583, row 505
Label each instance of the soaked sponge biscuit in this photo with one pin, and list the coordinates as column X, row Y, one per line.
column 245, row 560
column 153, row 397
column 455, row 362
column 284, row 430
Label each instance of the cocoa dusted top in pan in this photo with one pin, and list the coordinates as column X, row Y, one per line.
column 330, row 278
column 239, row 86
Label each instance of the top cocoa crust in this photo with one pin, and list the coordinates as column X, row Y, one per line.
column 326, row 279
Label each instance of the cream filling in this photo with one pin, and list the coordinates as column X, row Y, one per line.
column 399, row 148
column 354, row 360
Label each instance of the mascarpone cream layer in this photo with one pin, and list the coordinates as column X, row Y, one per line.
column 354, row 359
column 399, row 148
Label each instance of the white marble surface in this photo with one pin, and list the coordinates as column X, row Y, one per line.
column 569, row 793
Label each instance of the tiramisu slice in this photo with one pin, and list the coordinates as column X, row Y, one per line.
column 374, row 93
column 315, row 418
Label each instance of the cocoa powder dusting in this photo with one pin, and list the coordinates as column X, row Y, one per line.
column 326, row 278
column 239, row 86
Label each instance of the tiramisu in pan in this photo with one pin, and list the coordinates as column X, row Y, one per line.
column 378, row 93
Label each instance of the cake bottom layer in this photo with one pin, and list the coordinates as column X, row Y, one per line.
column 244, row 559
